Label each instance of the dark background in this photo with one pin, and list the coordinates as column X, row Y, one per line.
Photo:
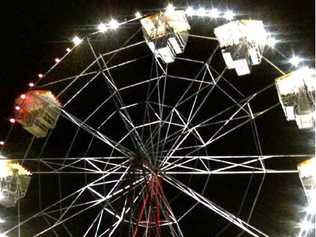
column 37, row 32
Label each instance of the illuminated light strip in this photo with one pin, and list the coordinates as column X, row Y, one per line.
column 210, row 13
column 189, row 11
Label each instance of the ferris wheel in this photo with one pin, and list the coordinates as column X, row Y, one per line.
column 142, row 133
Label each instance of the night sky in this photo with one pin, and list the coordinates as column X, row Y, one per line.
column 43, row 32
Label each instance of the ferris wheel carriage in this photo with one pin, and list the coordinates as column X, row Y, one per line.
column 242, row 44
column 14, row 183
column 296, row 92
column 166, row 34
column 37, row 111
column 307, row 174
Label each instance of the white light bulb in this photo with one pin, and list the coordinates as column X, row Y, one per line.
column 138, row 15
column 306, row 225
column 102, row 28
column 310, row 210
column 114, row 24
column 170, row 8
column 295, row 61
column 1, row 143
column 190, row 11
column 2, row 221
column 272, row 42
column 201, row 12
column 214, row 12
column 229, row 15
column 3, row 235
column 76, row 40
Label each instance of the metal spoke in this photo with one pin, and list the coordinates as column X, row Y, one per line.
column 215, row 208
